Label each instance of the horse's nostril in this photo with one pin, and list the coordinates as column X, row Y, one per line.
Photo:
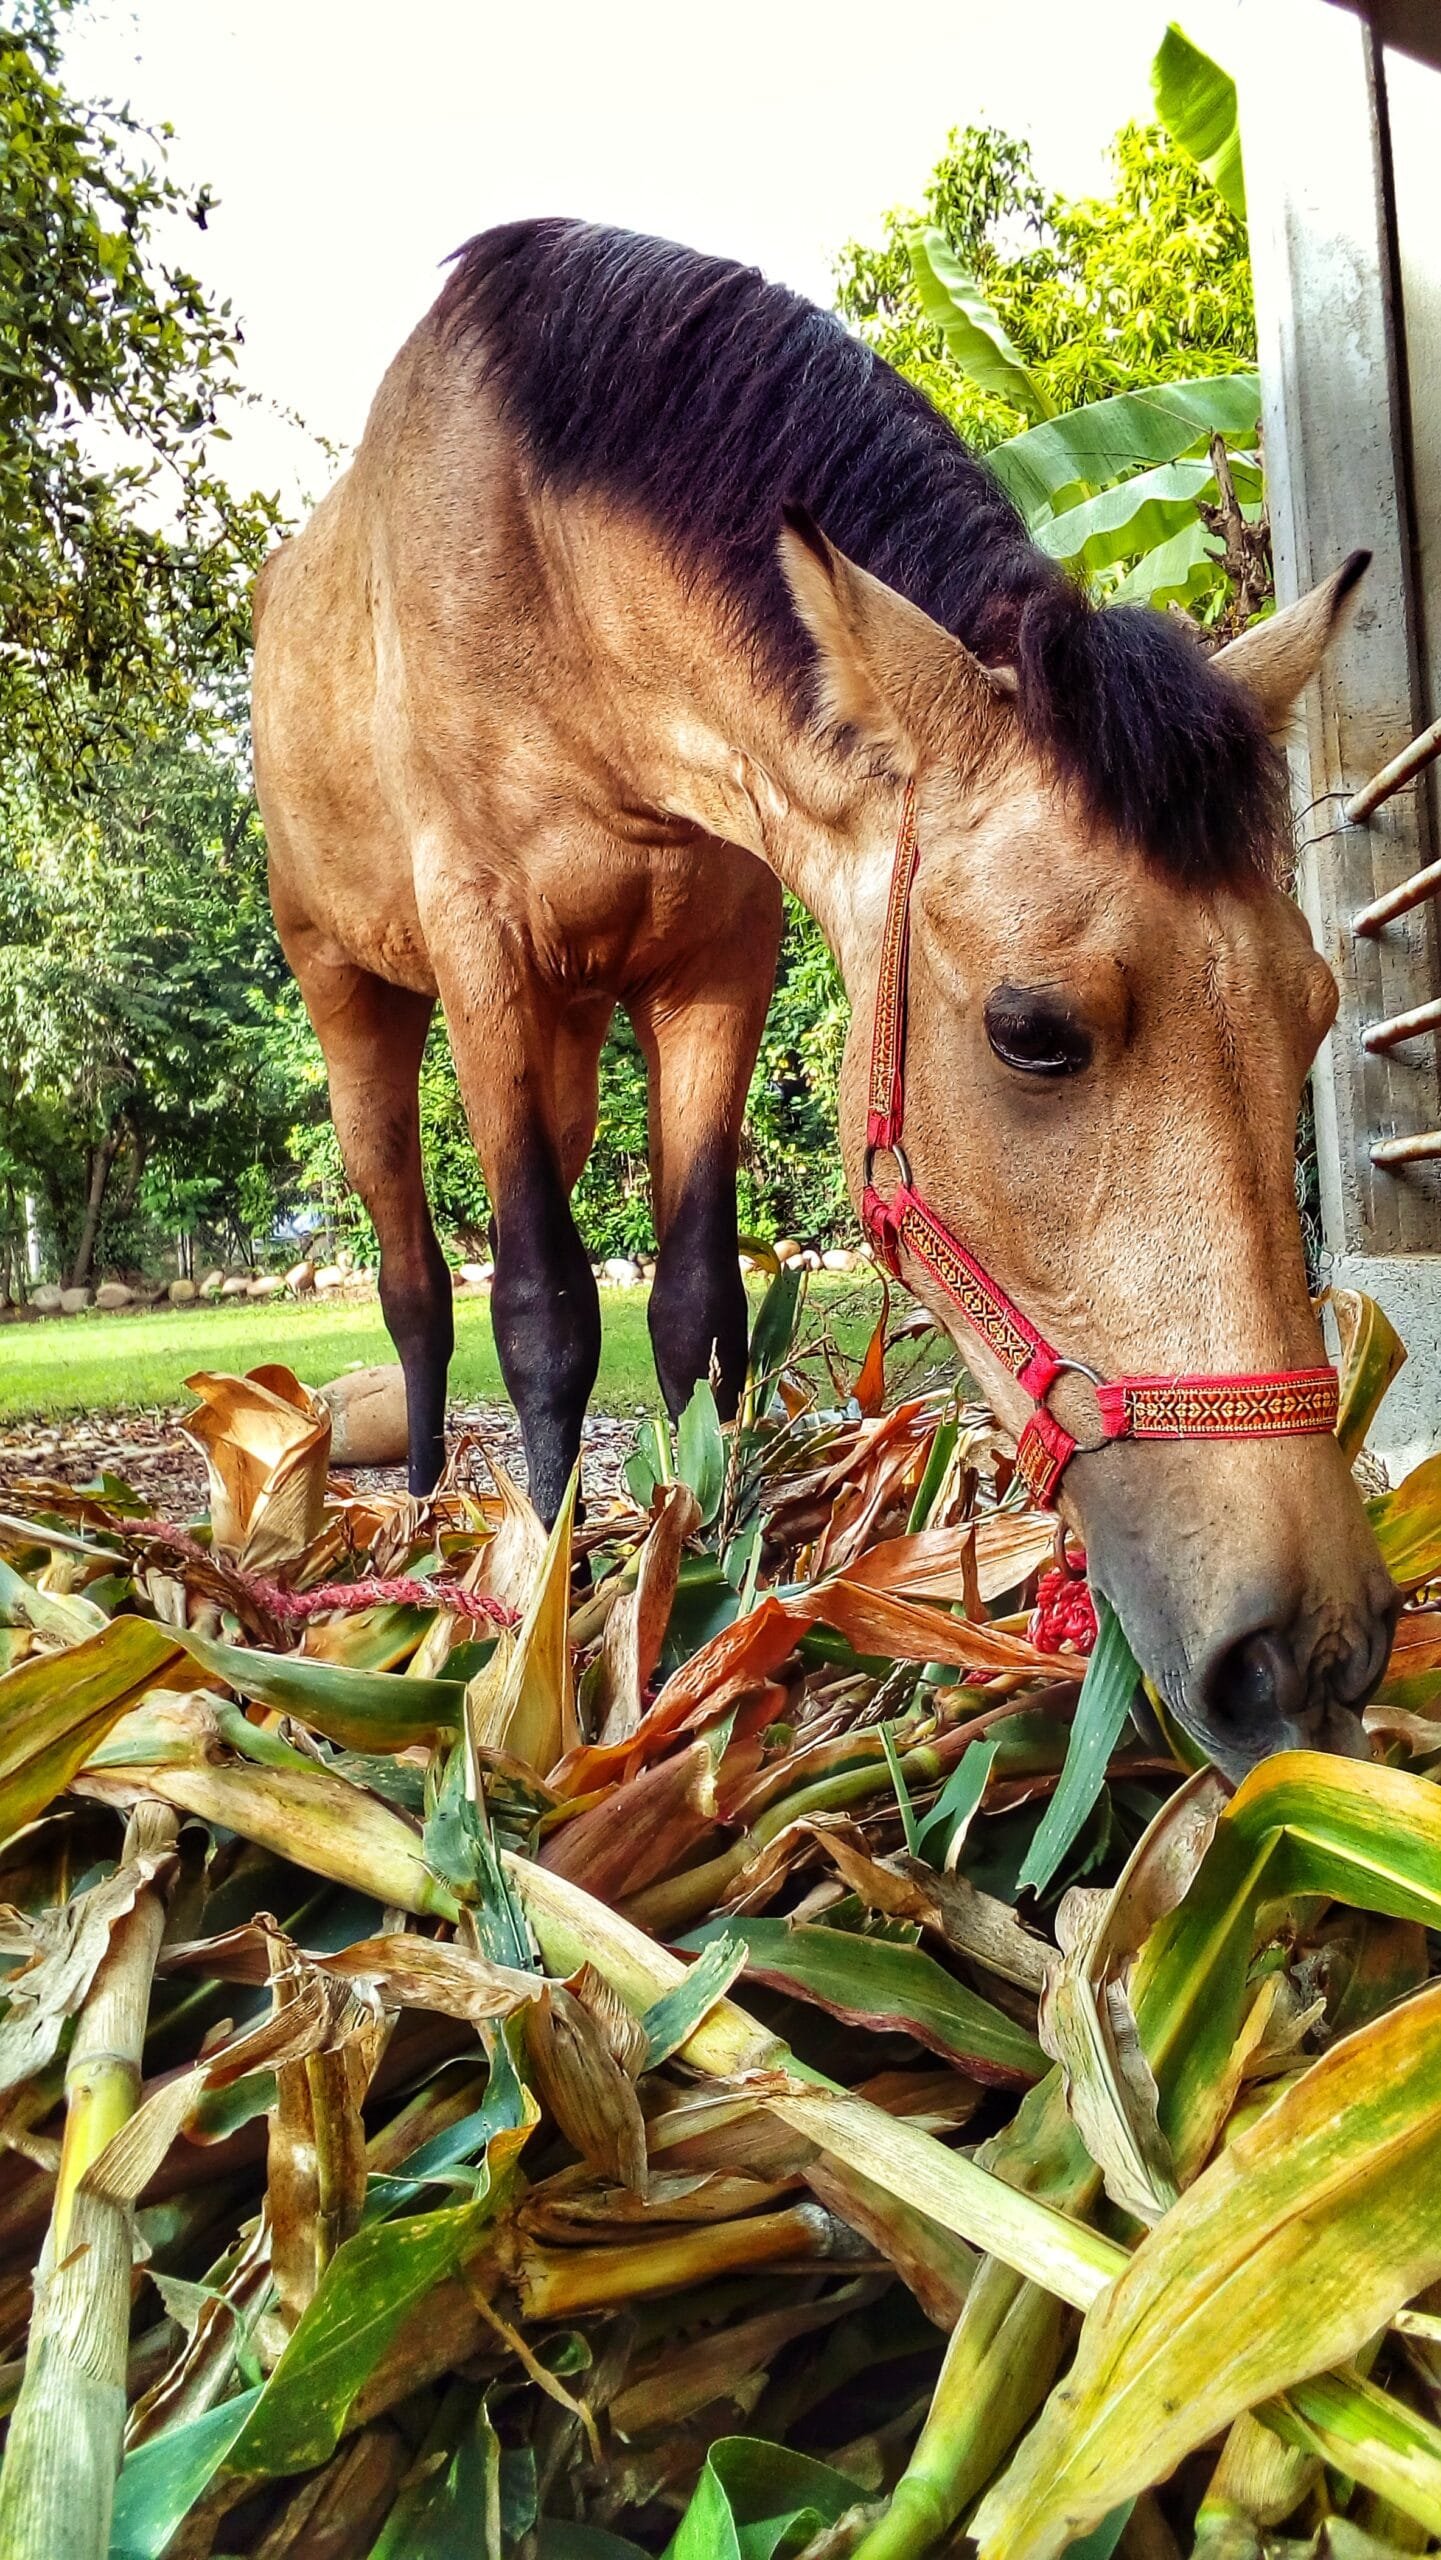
column 1251, row 1688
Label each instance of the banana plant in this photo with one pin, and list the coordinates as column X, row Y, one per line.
column 1113, row 490
column 1196, row 102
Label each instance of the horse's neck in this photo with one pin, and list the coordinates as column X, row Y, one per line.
column 710, row 738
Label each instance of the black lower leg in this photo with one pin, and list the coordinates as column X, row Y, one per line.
column 698, row 1319
column 546, row 1312
column 415, row 1300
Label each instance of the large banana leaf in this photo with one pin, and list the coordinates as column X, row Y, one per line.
column 1047, row 465
column 1176, row 572
column 1138, row 514
column 1196, row 102
column 975, row 335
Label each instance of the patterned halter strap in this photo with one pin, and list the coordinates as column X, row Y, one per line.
column 1268, row 1405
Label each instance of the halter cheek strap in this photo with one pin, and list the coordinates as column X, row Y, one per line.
column 1270, row 1404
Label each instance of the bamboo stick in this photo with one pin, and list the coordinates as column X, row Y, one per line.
column 58, row 2483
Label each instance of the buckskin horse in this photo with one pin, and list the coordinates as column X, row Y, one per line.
column 650, row 589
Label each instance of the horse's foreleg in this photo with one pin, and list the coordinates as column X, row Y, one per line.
column 529, row 1084
column 701, row 1037
column 373, row 1035
column 546, row 1312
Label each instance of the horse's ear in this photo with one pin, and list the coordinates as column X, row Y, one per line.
column 1276, row 660
column 887, row 672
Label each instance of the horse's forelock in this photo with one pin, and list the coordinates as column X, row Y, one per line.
column 1166, row 750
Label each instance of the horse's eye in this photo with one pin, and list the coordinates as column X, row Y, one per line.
column 1034, row 1030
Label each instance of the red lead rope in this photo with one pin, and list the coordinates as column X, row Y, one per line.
column 1271, row 1404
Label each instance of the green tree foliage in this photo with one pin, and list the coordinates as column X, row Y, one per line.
column 1099, row 294
column 124, row 556
column 144, row 1012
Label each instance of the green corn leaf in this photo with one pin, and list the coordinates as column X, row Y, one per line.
column 876, row 1983
column 774, row 1331
column 373, row 2282
column 672, row 2020
column 165, row 2477
column 928, row 1491
column 957, row 1801
column 1109, row 1686
column 700, row 1451
column 757, row 2501
column 453, row 2508
column 1196, row 102
column 362, row 1710
column 975, row 335
column 1046, row 465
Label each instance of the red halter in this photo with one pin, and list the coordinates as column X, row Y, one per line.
column 1269, row 1405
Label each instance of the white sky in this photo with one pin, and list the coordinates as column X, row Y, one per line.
column 352, row 145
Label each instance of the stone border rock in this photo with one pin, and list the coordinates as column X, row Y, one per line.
column 343, row 1280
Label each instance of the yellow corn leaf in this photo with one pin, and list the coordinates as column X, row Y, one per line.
column 1301, row 1823
column 1372, row 1352
column 1306, row 2235
column 591, row 2097
column 56, row 1708
column 265, row 1440
column 523, row 1702
column 1407, row 1522
column 313, row 1817
column 1087, row 2023
column 516, row 1553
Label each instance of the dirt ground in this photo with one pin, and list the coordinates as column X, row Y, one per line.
column 152, row 1454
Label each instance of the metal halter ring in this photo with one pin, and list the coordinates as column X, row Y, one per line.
column 902, row 1161
column 1079, row 1369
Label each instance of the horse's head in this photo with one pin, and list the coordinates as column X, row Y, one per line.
column 1106, row 1043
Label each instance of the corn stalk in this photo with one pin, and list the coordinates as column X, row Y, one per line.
column 64, row 2449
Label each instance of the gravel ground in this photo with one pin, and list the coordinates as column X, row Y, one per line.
column 150, row 1452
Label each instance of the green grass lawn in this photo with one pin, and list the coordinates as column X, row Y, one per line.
column 108, row 1364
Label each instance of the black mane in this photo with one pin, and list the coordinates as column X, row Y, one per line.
column 710, row 399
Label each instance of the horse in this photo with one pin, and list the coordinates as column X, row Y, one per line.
column 650, row 591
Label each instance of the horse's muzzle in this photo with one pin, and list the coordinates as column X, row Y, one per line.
column 1250, row 1587
column 1289, row 1686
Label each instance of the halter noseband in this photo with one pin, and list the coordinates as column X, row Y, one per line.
column 1270, row 1404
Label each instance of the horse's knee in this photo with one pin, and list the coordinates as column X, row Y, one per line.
column 698, row 1317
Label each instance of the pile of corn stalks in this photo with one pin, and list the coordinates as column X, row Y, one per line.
column 693, row 2033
